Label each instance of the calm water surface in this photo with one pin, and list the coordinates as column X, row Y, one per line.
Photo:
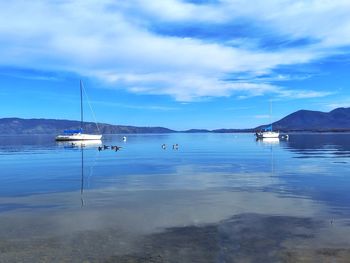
column 218, row 198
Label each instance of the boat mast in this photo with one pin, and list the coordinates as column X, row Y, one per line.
column 271, row 114
column 81, row 104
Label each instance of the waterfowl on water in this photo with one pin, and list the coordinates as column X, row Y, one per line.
column 117, row 148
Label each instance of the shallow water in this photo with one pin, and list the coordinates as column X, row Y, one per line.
column 218, row 198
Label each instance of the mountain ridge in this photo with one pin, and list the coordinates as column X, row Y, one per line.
column 308, row 120
column 16, row 125
column 301, row 120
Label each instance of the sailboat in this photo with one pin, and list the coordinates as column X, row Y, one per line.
column 79, row 135
column 268, row 132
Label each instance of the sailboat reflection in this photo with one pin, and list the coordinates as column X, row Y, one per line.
column 268, row 141
column 82, row 145
column 82, row 177
column 75, row 144
column 271, row 140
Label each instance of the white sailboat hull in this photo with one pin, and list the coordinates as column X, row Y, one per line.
column 78, row 137
column 267, row 134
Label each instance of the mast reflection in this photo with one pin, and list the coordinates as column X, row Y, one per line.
column 82, row 177
column 82, row 145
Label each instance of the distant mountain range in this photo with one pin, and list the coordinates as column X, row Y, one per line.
column 51, row 126
column 303, row 120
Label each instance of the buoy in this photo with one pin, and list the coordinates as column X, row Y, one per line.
column 124, row 139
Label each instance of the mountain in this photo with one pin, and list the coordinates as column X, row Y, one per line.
column 306, row 120
column 232, row 130
column 302, row 120
column 52, row 126
column 197, row 131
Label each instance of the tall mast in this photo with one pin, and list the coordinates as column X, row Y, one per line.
column 81, row 104
column 271, row 114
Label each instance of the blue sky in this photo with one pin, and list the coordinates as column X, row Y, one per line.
column 174, row 63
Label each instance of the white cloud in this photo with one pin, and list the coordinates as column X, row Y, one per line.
column 324, row 20
column 185, row 86
column 303, row 94
column 111, row 40
column 178, row 11
column 342, row 104
column 132, row 106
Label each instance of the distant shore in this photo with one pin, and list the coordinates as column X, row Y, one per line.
column 16, row 126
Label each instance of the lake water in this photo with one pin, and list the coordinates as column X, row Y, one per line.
column 217, row 198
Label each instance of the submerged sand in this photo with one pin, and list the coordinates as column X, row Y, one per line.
column 242, row 238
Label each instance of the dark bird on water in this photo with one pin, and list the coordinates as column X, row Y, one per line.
column 116, row 148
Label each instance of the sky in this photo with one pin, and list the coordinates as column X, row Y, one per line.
column 179, row 64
